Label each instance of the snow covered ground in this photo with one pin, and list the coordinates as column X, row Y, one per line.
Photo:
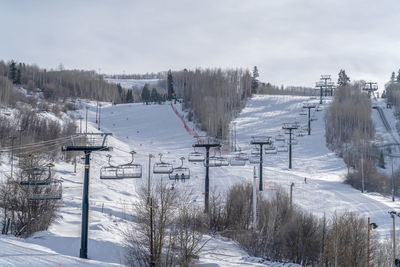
column 156, row 128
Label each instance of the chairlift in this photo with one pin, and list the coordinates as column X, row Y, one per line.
column 303, row 112
column 239, row 160
column 280, row 137
column 110, row 171
column 213, row 161
column 129, row 170
column 43, row 190
column 196, row 156
column 300, row 134
column 223, row 161
column 180, row 173
column 269, row 147
column 282, row 148
column 254, row 159
column 271, row 151
column 162, row 167
column 313, row 118
column 31, row 173
column 255, row 151
column 294, row 142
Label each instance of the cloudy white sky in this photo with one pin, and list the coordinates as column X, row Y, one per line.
column 291, row 41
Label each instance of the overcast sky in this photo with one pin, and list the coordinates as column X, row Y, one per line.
column 291, row 41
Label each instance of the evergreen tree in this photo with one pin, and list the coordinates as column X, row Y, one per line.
column 343, row 78
column 146, row 94
column 254, row 81
column 12, row 72
column 398, row 76
column 381, row 162
column 154, row 95
column 18, row 78
column 393, row 77
column 129, row 97
column 120, row 91
column 170, row 84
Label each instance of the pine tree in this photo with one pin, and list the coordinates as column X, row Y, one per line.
column 254, row 81
column 343, row 78
column 146, row 94
column 381, row 162
column 12, row 72
column 170, row 83
column 398, row 76
column 129, row 97
column 18, row 78
column 154, row 95
column 393, row 77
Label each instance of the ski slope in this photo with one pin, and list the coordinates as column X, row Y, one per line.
column 153, row 129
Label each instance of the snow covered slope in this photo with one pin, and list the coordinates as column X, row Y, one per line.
column 156, row 128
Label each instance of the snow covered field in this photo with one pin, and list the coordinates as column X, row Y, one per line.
column 156, row 128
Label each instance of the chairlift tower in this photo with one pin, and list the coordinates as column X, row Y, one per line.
column 370, row 87
column 290, row 127
column 326, row 79
column 261, row 140
column 97, row 142
column 309, row 106
column 207, row 146
column 389, row 152
column 321, row 86
column 324, row 84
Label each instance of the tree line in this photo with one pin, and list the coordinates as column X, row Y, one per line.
column 212, row 97
column 61, row 83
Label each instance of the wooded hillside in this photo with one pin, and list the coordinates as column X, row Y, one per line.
column 213, row 96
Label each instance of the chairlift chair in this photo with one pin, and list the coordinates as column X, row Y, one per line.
column 243, row 156
column 162, row 167
column 313, row 118
column 300, row 133
column 44, row 190
column 294, row 142
column 223, row 161
column 280, row 137
column 271, row 151
column 238, row 161
column 213, row 161
column 110, row 171
column 254, row 159
column 269, row 147
column 35, row 172
column 129, row 170
column 303, row 112
column 196, row 156
column 282, row 148
column 180, row 173
column 255, row 151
